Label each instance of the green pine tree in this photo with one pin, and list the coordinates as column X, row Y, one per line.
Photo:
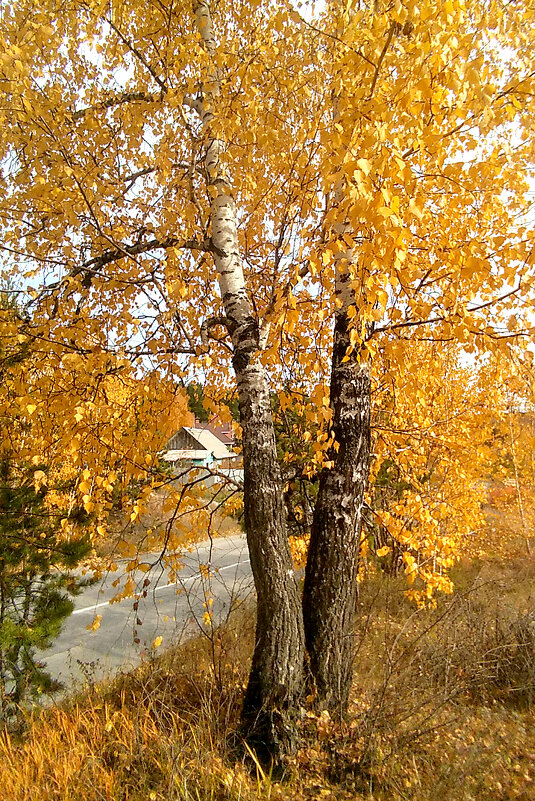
column 37, row 584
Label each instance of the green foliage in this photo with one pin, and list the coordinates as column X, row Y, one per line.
column 36, row 583
column 195, row 392
column 389, row 481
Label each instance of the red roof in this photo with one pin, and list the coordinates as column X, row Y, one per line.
column 222, row 430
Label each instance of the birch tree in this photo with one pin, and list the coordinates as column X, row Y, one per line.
column 275, row 679
column 213, row 190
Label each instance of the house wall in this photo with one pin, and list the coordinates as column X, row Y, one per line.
column 182, row 440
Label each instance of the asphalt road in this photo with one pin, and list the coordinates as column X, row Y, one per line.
column 173, row 611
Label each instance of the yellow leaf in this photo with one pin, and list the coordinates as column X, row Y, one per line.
column 95, row 624
column 207, row 619
column 416, row 210
column 156, row 643
column 127, row 549
column 39, row 478
column 364, row 165
column 385, row 211
column 384, row 550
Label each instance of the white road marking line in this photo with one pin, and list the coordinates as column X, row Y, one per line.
column 161, row 587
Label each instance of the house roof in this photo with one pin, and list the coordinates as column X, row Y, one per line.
column 178, row 455
column 209, row 442
column 222, row 430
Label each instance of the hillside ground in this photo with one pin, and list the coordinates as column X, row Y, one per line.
column 442, row 709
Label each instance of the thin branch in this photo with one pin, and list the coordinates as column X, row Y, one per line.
column 206, row 327
column 384, row 51
column 409, row 324
column 116, row 100
column 137, row 54
column 335, row 38
column 521, row 285
column 283, row 293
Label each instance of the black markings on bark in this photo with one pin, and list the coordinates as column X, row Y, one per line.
column 245, row 337
column 330, row 590
column 276, row 678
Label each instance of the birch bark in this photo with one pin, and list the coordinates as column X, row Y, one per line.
column 276, row 676
column 330, row 590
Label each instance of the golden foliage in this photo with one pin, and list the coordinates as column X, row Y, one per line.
column 104, row 201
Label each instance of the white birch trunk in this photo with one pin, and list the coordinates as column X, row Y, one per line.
column 330, row 591
column 275, row 681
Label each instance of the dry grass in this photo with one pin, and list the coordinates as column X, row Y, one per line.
column 443, row 703
column 510, row 526
column 442, row 710
column 160, row 732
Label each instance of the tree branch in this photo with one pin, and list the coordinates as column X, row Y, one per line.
column 138, row 55
column 117, row 100
column 384, row 51
column 91, row 268
column 206, row 327
column 124, row 251
column 334, row 38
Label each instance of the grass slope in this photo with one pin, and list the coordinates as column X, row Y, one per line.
column 442, row 709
